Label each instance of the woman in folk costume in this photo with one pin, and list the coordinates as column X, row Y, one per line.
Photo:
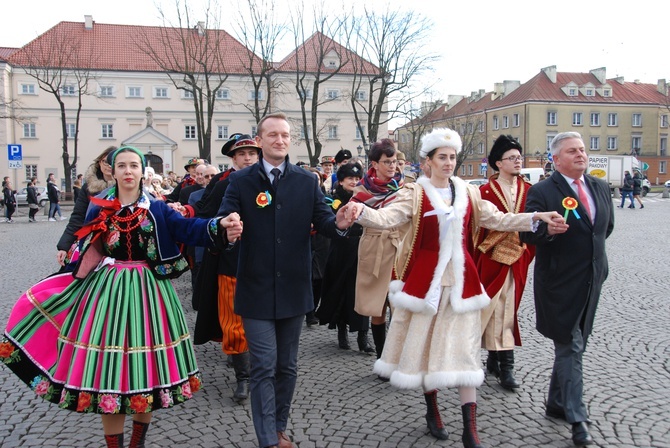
column 377, row 247
column 111, row 338
column 434, row 337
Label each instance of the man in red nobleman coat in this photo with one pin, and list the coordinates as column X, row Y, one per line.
column 502, row 261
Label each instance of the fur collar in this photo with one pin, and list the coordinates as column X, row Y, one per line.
column 94, row 184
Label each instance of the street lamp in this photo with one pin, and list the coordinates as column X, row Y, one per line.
column 542, row 156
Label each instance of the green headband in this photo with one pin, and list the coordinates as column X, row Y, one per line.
column 126, row 149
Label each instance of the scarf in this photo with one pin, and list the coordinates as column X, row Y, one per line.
column 378, row 193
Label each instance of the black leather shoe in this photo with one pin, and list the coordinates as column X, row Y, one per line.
column 553, row 412
column 581, row 435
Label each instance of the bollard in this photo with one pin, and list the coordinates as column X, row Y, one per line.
column 46, row 208
column 617, row 193
column 666, row 193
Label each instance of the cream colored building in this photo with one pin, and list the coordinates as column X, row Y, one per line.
column 612, row 115
column 132, row 102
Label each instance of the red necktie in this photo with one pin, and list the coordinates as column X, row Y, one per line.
column 583, row 198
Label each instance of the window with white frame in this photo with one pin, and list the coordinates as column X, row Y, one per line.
column 471, row 171
column 590, row 92
column 70, row 130
column 254, row 130
column 637, row 120
column 223, row 94
column 303, row 133
column 550, row 137
column 134, row 92
column 577, row 118
column 332, row 94
column 572, row 91
column 636, row 143
column 222, row 131
column 612, row 119
column 67, row 90
column 595, row 143
column 29, row 130
column 254, row 94
column 332, row 131
column 160, row 92
column 551, row 118
column 462, row 170
column 359, row 133
column 595, row 119
column 462, row 129
column 27, row 89
column 611, row 143
column 31, row 171
column 495, row 123
column 481, row 126
column 361, row 95
column 107, row 130
column 664, row 121
column 469, row 127
column 189, row 132
column 505, row 122
column 481, row 148
column 516, row 120
column 662, row 167
column 106, row 91
column 663, row 146
column 607, row 92
column 187, row 94
column 307, row 94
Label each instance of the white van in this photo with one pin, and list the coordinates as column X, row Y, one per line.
column 532, row 174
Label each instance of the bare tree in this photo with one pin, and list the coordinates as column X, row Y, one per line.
column 466, row 124
column 10, row 110
column 395, row 43
column 62, row 67
column 317, row 59
column 193, row 55
column 260, row 32
column 421, row 120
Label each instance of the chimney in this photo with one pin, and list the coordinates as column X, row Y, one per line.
column 550, row 72
column 88, row 22
column 662, row 87
column 600, row 74
column 201, row 28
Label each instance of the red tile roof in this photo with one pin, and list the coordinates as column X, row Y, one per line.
column 309, row 53
column 121, row 47
column 6, row 52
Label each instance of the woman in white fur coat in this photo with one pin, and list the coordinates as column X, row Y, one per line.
column 434, row 338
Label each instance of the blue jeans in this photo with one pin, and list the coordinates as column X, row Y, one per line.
column 624, row 195
column 55, row 207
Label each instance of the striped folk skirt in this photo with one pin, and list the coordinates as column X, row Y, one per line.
column 114, row 342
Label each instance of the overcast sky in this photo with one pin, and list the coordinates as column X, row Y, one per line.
column 480, row 41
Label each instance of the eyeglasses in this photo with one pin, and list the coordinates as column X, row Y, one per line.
column 513, row 158
column 104, row 162
column 388, row 162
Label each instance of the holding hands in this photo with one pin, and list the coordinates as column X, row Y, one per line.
column 348, row 214
column 555, row 222
column 233, row 226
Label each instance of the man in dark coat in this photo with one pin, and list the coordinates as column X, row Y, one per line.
column 570, row 269
column 276, row 204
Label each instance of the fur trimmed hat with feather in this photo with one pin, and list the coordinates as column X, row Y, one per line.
column 440, row 138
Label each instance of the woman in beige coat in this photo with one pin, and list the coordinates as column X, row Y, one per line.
column 377, row 247
column 434, row 337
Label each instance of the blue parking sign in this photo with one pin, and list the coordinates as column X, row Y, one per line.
column 14, row 152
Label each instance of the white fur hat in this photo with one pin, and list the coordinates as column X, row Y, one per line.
column 440, row 138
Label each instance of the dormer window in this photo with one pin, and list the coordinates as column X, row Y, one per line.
column 572, row 91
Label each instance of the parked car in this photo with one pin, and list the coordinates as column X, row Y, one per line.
column 477, row 182
column 667, row 184
column 42, row 199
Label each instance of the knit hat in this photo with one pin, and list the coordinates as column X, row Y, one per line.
column 439, row 138
column 502, row 144
column 349, row 170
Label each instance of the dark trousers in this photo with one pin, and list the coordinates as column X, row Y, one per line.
column 273, row 349
column 566, row 389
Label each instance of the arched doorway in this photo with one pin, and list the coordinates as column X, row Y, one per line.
column 154, row 162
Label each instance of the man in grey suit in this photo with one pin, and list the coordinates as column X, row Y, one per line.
column 570, row 269
column 275, row 204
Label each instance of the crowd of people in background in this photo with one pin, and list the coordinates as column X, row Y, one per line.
column 432, row 267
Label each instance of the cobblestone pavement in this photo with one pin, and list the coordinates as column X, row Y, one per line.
column 340, row 403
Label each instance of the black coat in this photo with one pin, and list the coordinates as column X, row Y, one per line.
column 570, row 268
column 338, row 294
column 274, row 271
